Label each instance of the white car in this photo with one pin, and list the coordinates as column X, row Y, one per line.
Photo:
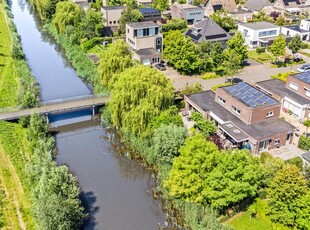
column 304, row 68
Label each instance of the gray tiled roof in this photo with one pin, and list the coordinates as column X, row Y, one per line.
column 278, row 87
column 208, row 31
column 257, row 4
column 306, row 156
column 259, row 130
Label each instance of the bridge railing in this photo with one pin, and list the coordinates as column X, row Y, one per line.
column 70, row 99
column 52, row 102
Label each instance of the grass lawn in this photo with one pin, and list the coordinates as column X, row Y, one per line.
column 8, row 75
column 261, row 58
column 244, row 221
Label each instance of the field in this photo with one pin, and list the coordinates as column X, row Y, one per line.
column 8, row 74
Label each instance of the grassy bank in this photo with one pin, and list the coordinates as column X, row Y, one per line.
column 17, row 85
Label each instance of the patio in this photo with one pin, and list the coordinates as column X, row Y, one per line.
column 286, row 152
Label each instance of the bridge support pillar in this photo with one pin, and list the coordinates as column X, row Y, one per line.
column 93, row 112
column 47, row 120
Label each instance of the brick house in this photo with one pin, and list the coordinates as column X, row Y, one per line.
column 294, row 95
column 244, row 116
column 146, row 40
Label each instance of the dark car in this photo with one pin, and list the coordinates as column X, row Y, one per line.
column 160, row 66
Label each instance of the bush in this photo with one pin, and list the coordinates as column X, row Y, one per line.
column 209, row 75
column 304, row 143
column 260, row 50
column 174, row 24
column 282, row 76
column 264, row 156
column 205, row 126
column 297, row 161
column 220, row 85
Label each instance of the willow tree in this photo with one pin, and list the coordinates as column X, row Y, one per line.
column 45, row 8
column 139, row 95
column 114, row 60
column 67, row 14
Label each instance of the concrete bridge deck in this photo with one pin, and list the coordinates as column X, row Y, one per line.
column 57, row 106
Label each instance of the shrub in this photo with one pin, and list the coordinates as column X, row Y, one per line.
column 304, row 143
column 205, row 126
column 260, row 50
column 209, row 75
column 282, row 76
column 264, row 156
column 220, row 85
column 297, row 161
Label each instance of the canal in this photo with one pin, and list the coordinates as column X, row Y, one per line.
column 116, row 191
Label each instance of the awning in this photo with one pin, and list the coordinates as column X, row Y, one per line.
column 234, row 132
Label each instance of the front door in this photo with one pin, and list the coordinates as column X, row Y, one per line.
column 288, row 138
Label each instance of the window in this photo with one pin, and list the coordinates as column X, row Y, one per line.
column 245, row 33
column 135, row 33
column 293, row 86
column 237, row 111
column 267, row 33
column 114, row 22
column 156, row 30
column 307, row 92
column 222, row 100
column 269, row 114
column 146, row 32
column 111, row 23
column 253, row 42
column 277, row 142
column 158, row 42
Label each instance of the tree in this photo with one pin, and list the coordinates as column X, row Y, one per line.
column 280, row 21
column 92, row 24
column 113, row 60
column 270, row 168
column 67, row 13
column 212, row 54
column 287, row 187
column 202, row 174
column 174, row 24
column 191, row 88
column 225, row 21
column 139, row 95
column 129, row 15
column 205, row 126
column 161, row 5
column 237, row 45
column 278, row 46
column 231, row 64
column 167, row 140
column 307, row 124
column 46, row 8
column 56, row 200
column 181, row 53
column 295, row 44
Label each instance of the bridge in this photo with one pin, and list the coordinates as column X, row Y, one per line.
column 56, row 106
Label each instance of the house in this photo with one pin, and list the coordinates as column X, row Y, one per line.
column 290, row 6
column 294, row 95
column 302, row 30
column 146, row 41
column 214, row 5
column 245, row 116
column 144, row 2
column 306, row 158
column 111, row 16
column 230, row 6
column 192, row 14
column 82, row 3
column 207, row 30
column 150, row 14
column 258, row 5
column 259, row 34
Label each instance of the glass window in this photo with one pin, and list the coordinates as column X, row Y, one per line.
column 156, row 30
column 140, row 33
column 135, row 33
column 146, row 32
column 293, row 86
column 152, row 31
column 237, row 111
column 267, row 33
column 222, row 100
column 269, row 114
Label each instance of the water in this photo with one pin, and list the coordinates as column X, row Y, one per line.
column 55, row 75
column 116, row 190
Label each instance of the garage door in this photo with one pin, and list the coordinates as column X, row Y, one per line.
column 146, row 62
column 295, row 109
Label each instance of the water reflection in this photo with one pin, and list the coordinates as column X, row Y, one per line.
column 120, row 187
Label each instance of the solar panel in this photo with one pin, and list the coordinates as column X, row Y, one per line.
column 305, row 77
column 249, row 95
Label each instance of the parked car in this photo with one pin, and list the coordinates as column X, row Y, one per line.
column 160, row 66
column 304, row 68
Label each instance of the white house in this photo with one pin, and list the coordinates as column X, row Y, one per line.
column 302, row 30
column 259, row 34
